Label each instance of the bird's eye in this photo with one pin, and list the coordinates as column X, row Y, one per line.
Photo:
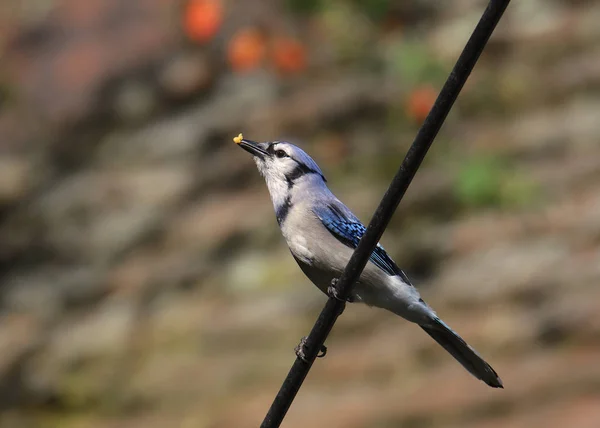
column 280, row 154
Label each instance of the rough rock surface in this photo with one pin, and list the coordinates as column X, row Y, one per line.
column 143, row 281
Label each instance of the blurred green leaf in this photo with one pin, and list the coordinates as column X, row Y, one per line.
column 479, row 182
column 413, row 62
column 491, row 181
column 304, row 6
column 374, row 9
column 348, row 29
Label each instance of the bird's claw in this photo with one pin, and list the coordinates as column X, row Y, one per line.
column 322, row 351
column 334, row 292
column 300, row 350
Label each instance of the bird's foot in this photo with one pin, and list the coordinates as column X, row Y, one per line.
column 334, row 292
column 301, row 348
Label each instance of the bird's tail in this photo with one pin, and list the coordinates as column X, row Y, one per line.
column 463, row 353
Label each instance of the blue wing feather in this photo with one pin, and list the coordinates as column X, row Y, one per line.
column 346, row 228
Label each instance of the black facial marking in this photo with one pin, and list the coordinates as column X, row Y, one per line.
column 271, row 149
column 299, row 171
column 283, row 210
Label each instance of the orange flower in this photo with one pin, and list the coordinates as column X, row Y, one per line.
column 289, row 55
column 246, row 49
column 420, row 102
column 202, row 19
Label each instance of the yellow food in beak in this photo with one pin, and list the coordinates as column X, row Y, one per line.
column 238, row 139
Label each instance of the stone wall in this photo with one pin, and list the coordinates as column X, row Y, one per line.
column 143, row 278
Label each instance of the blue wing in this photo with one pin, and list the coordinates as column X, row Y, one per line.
column 347, row 229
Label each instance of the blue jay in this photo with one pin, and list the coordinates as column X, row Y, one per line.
column 322, row 233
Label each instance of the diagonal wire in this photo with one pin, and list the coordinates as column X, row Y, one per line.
column 427, row 133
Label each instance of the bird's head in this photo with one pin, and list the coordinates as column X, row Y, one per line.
column 280, row 162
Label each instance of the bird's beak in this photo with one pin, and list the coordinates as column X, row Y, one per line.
column 254, row 148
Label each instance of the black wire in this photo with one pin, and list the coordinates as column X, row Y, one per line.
column 386, row 208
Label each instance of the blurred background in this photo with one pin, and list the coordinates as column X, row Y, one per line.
column 143, row 279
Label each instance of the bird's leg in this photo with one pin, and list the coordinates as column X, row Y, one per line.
column 333, row 291
column 300, row 350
